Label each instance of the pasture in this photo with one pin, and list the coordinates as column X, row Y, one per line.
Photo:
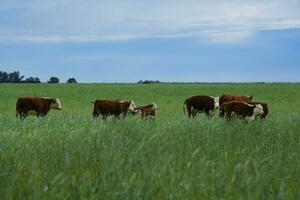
column 69, row 155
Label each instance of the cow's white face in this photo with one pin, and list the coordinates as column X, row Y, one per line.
column 258, row 110
column 216, row 102
column 56, row 105
column 155, row 106
column 132, row 106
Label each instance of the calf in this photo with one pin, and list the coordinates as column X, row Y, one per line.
column 240, row 109
column 226, row 98
column 202, row 103
column 38, row 106
column 148, row 111
column 112, row 107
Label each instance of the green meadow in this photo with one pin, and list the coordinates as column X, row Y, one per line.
column 70, row 155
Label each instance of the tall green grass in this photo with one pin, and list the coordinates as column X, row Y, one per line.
column 69, row 155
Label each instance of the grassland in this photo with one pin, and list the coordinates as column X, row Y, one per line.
column 68, row 155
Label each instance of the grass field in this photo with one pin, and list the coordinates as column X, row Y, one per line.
column 69, row 155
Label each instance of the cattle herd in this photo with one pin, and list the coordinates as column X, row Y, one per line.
column 229, row 106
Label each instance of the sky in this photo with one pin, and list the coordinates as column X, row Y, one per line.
column 166, row 40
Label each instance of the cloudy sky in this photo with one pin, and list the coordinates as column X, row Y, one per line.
column 167, row 40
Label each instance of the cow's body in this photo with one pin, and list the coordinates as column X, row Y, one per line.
column 148, row 113
column 265, row 108
column 226, row 98
column 201, row 103
column 112, row 107
column 38, row 106
column 240, row 109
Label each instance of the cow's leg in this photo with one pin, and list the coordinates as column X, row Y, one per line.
column 23, row 115
column 43, row 114
column 228, row 116
column 124, row 115
column 221, row 113
column 96, row 114
column 194, row 112
column 143, row 116
column 117, row 116
column 151, row 117
column 104, row 116
column 208, row 113
column 189, row 110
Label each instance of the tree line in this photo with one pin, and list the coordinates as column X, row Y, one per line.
column 16, row 77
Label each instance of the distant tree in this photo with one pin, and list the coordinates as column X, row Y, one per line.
column 148, row 81
column 37, row 80
column 32, row 80
column 3, row 77
column 29, row 80
column 53, row 79
column 71, row 80
column 13, row 77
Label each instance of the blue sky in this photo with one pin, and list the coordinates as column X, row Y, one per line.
column 126, row 41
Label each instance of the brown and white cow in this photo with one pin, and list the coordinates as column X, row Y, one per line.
column 112, row 107
column 38, row 106
column 226, row 98
column 148, row 111
column 201, row 103
column 265, row 108
column 240, row 109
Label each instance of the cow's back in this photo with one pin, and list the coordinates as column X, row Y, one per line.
column 228, row 98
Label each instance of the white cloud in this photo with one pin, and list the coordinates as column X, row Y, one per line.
column 99, row 21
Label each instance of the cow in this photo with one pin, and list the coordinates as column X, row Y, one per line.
column 226, row 98
column 201, row 103
column 148, row 111
column 265, row 108
column 112, row 108
column 240, row 109
column 38, row 106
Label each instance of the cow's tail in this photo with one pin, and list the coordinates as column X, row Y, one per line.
column 184, row 107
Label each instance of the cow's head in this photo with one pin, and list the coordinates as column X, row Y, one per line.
column 258, row 110
column 132, row 106
column 154, row 105
column 216, row 102
column 56, row 104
